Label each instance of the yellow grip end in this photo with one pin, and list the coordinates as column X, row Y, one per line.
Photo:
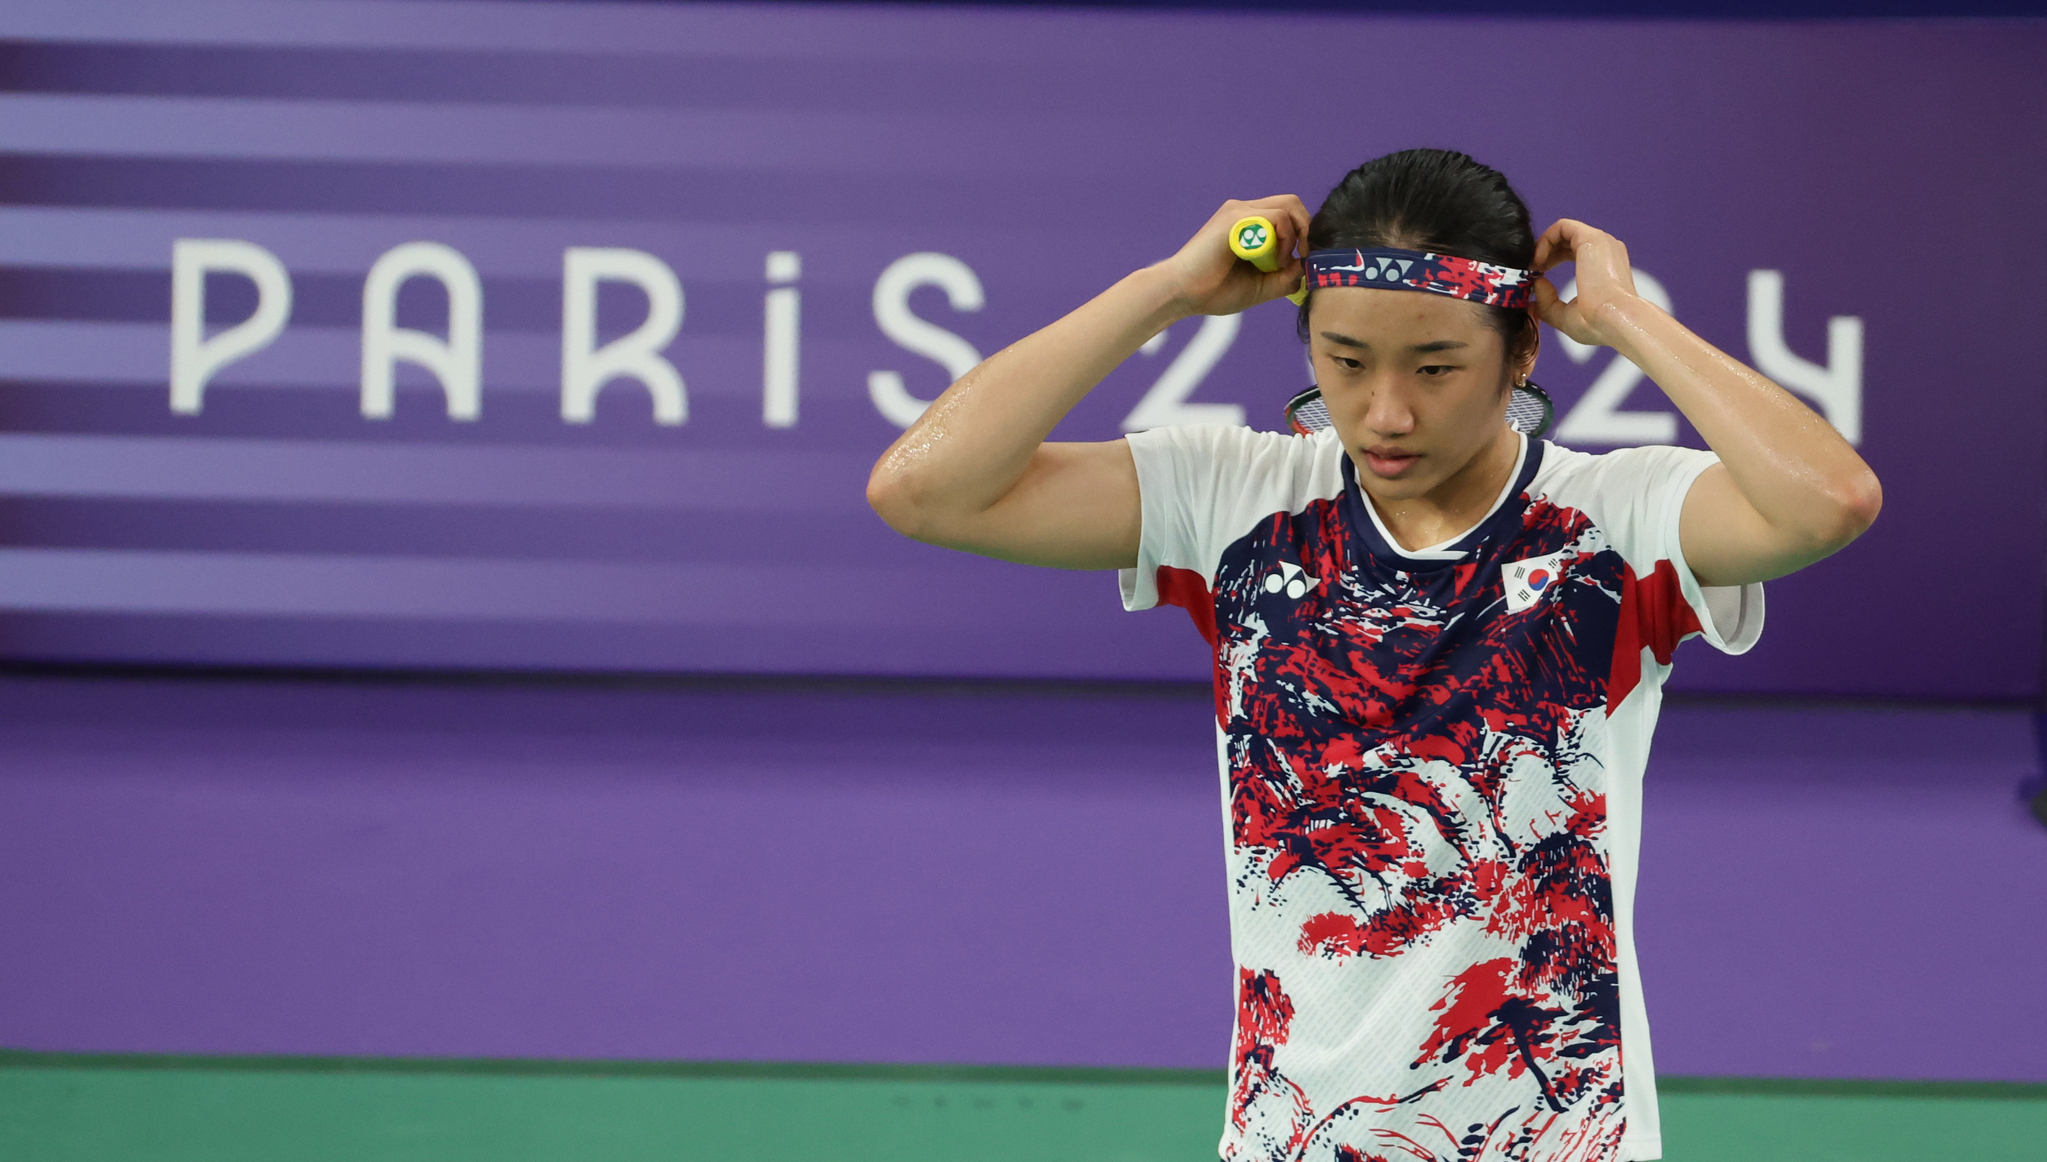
column 1255, row 241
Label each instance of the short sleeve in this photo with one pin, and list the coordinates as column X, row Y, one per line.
column 1640, row 495
column 1202, row 486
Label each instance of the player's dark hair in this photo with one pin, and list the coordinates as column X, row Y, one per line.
column 1436, row 200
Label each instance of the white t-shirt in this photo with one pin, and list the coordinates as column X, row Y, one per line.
column 1431, row 773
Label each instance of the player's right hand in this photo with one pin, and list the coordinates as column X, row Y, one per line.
column 1210, row 280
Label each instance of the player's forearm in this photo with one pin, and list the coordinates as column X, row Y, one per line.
column 1792, row 467
column 974, row 442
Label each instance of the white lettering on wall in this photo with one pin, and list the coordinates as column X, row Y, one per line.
column 1837, row 386
column 195, row 359
column 586, row 367
column 1598, row 418
column 780, row 340
column 1165, row 405
column 457, row 361
column 892, row 314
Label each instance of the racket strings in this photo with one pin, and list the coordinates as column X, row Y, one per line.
column 1310, row 417
column 1529, row 412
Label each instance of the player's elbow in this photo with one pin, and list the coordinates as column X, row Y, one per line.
column 1852, row 504
column 905, row 501
column 894, row 498
column 1860, row 498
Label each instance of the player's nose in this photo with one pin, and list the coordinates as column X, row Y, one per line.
column 1388, row 413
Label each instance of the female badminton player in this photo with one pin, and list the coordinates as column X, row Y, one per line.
column 1439, row 644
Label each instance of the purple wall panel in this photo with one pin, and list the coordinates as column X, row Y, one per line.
column 996, row 877
column 1048, row 151
column 1844, row 893
column 516, row 873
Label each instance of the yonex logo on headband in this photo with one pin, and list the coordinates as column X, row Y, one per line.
column 1390, row 269
column 1443, row 274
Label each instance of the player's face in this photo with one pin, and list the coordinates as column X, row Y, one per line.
column 1417, row 385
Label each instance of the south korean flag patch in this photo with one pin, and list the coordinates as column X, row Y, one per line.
column 1529, row 581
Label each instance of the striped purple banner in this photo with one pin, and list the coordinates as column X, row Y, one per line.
column 712, row 257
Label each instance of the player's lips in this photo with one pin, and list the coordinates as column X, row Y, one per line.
column 1387, row 461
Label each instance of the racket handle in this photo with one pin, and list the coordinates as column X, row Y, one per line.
column 1254, row 240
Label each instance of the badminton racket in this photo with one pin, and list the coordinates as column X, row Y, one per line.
column 1529, row 412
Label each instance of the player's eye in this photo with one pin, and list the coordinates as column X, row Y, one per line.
column 1346, row 364
column 1436, row 370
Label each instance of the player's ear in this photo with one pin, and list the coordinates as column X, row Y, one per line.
column 1526, row 346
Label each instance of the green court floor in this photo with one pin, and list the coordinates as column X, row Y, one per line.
column 67, row 1108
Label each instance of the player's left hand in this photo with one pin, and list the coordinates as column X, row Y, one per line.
column 1604, row 278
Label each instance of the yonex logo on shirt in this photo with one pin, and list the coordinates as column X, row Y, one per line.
column 1291, row 579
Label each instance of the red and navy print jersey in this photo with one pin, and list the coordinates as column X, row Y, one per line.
column 1431, row 768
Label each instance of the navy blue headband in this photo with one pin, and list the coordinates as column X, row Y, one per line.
column 1443, row 274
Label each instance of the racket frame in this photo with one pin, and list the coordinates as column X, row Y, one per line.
column 1313, row 395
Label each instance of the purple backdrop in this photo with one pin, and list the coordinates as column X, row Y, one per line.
column 913, row 876
column 1886, row 171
